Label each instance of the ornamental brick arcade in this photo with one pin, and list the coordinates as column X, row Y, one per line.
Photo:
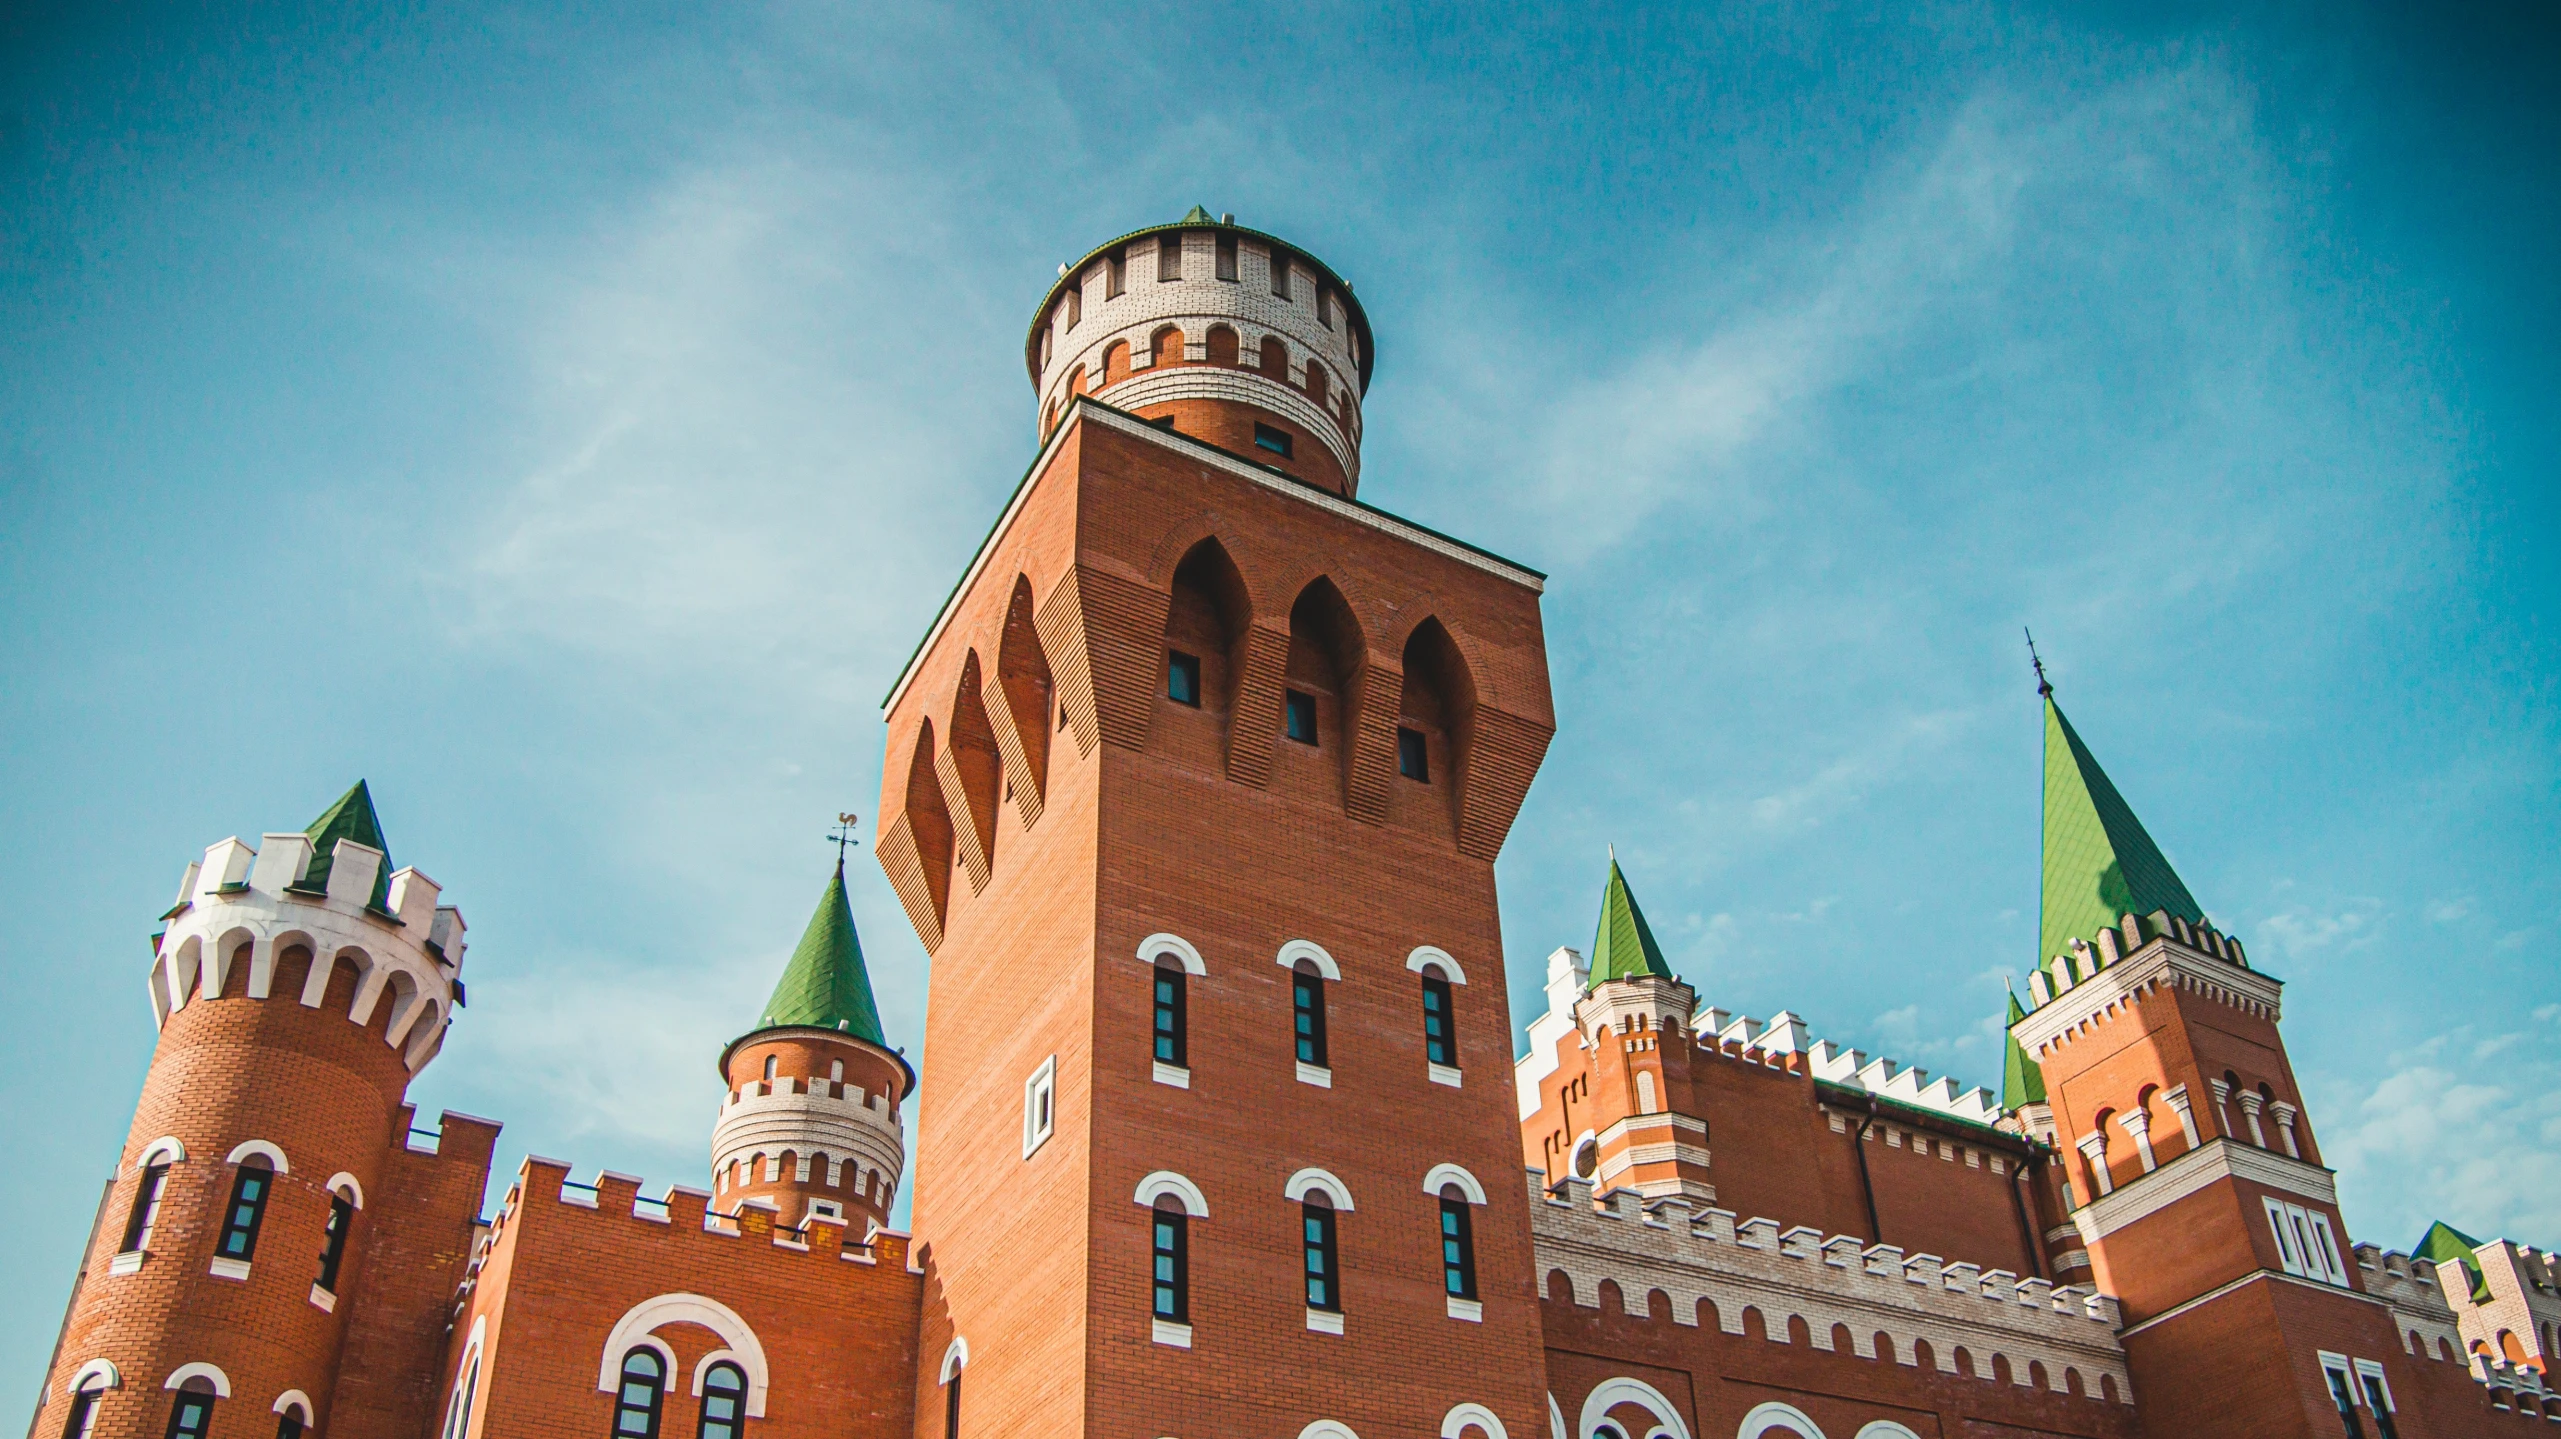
column 1193, row 794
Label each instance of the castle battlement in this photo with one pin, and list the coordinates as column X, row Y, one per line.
column 243, row 905
column 681, row 1211
column 1696, row 1256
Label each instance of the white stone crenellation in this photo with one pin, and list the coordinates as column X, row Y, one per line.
column 829, row 1130
column 1689, row 1253
column 1330, row 336
column 407, row 954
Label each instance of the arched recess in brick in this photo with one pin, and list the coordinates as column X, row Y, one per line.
column 1439, row 702
column 971, row 769
column 1021, row 705
column 915, row 847
column 1209, row 617
column 1165, row 347
column 1222, row 345
column 1327, row 656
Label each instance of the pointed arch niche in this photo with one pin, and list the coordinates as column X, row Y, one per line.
column 1022, row 704
column 1207, row 620
column 915, row 848
column 1326, row 654
column 972, row 770
column 1438, row 703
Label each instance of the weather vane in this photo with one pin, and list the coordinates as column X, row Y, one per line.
column 2044, row 686
column 843, row 836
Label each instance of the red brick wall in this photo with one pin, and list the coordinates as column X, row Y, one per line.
column 410, row 1252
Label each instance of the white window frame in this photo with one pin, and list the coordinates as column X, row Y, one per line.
column 2306, row 1245
column 2338, row 1364
column 2368, row 1369
column 1040, row 1106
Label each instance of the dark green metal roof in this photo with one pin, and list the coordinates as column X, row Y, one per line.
column 1624, row 947
column 2100, row 865
column 2444, row 1244
column 1199, row 219
column 2022, row 1082
column 825, row 986
column 352, row 817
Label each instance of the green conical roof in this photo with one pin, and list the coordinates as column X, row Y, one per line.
column 825, row 985
column 1198, row 216
column 2100, row 866
column 2444, row 1244
column 352, row 817
column 2022, row 1082
column 1624, row 946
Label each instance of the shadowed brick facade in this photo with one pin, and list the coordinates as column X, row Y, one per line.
column 1193, row 792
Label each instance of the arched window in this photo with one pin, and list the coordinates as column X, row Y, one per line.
column 1458, row 1244
column 1324, row 1268
column 85, row 1397
column 1307, row 1013
column 191, row 1413
column 636, row 1402
column 146, row 1205
column 724, row 1402
column 458, row 1415
column 1172, row 1012
column 333, row 1240
column 1645, row 1099
column 289, row 1424
column 1172, row 1254
column 248, row 1209
column 1440, row 1034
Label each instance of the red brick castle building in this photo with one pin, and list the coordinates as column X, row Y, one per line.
column 1193, row 794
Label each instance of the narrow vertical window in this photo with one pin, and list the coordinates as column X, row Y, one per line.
column 636, row 1402
column 1307, row 1002
column 1280, row 272
column 1226, row 257
column 146, row 1206
column 1440, row 1039
column 1182, row 678
column 333, row 1240
column 1040, row 1105
column 1075, row 302
column 1172, row 1275
column 458, row 1414
column 248, row 1207
column 951, row 1406
column 1169, row 258
column 2345, row 1398
column 1458, row 1246
column 289, row 1425
column 1298, row 716
column 724, row 1403
column 1116, row 275
column 192, row 1415
column 84, row 1407
column 1324, row 1272
column 1325, row 307
column 2378, row 1398
column 1171, row 1042
column 1413, row 757
column 773, row 1066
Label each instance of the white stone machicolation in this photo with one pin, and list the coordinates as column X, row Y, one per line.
column 242, row 905
column 1196, row 278
column 824, row 1130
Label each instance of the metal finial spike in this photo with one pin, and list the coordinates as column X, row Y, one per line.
column 2044, row 686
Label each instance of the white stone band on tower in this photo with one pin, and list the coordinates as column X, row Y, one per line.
column 1260, row 325
column 830, row 1133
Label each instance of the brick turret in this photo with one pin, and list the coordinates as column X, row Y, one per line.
column 809, row 1126
column 298, row 986
column 1217, row 331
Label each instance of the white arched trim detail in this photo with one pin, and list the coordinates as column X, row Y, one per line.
column 275, row 1157
column 1165, row 1181
column 1886, row 1429
column 1290, row 954
column 665, row 1351
column 703, row 1365
column 955, row 1358
column 637, row 1322
column 1155, row 946
column 1460, row 1416
column 1555, row 1418
column 1450, row 971
column 164, row 1150
column 1443, row 1174
column 298, row 1404
column 1766, row 1417
column 1611, row 1393
column 179, row 1376
column 100, row 1369
column 1314, row 1179
column 1328, row 1429
column 344, row 1185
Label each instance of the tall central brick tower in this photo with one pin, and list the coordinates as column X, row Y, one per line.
column 1193, row 793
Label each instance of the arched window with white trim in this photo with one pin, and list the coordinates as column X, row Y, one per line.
column 724, row 1402
column 198, row 1386
column 88, row 1390
column 642, row 1393
column 293, row 1414
column 251, row 1185
column 145, row 1214
column 955, row 1361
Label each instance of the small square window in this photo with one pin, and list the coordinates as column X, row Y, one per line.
column 1276, row 441
column 1298, row 716
column 1413, row 757
column 1182, row 678
column 1040, row 1105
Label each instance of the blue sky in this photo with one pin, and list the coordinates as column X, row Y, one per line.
column 568, row 418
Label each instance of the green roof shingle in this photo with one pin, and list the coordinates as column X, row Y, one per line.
column 825, row 985
column 2022, row 1082
column 352, row 817
column 1624, row 947
column 2100, row 865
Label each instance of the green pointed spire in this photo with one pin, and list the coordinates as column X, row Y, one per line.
column 1198, row 216
column 2444, row 1244
column 2022, row 1082
column 1624, row 947
column 352, row 817
column 2100, row 866
column 825, row 985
